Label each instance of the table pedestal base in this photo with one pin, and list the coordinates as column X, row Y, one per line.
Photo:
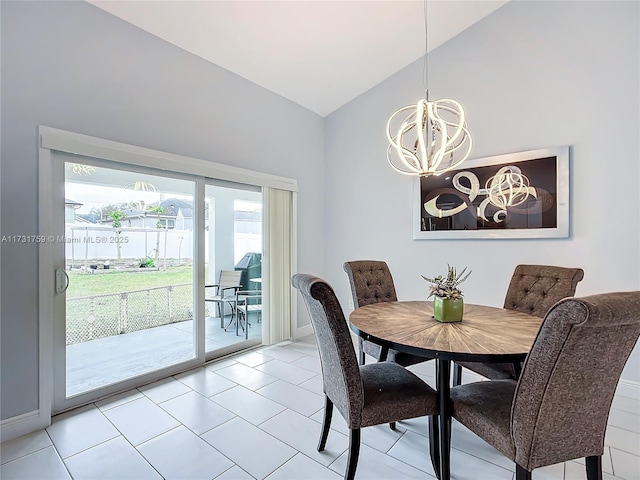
column 443, row 375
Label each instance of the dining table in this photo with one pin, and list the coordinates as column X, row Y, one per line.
column 486, row 334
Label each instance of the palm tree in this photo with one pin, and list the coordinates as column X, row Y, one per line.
column 116, row 217
column 158, row 210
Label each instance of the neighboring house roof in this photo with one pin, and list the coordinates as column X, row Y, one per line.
column 68, row 201
column 87, row 217
column 172, row 205
column 172, row 208
column 81, row 219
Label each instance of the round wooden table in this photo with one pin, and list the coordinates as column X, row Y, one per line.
column 485, row 334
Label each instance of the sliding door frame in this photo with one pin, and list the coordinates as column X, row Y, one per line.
column 251, row 342
column 50, row 140
column 61, row 401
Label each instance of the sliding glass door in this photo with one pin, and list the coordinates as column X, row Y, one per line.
column 233, row 249
column 134, row 259
column 127, row 238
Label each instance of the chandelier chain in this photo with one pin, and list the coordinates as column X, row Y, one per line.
column 428, row 138
column 425, row 72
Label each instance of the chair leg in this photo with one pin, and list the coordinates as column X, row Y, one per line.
column 517, row 369
column 522, row 473
column 434, row 444
column 384, row 353
column 240, row 314
column 354, row 451
column 233, row 316
column 382, row 356
column 457, row 375
column 326, row 423
column 593, row 465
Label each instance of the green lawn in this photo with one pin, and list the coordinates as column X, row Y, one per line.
column 95, row 308
column 85, row 284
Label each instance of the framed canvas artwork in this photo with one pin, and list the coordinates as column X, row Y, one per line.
column 517, row 195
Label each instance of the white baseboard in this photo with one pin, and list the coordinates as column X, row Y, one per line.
column 15, row 427
column 628, row 388
column 303, row 331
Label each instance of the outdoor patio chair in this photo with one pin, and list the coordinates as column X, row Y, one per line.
column 225, row 293
column 247, row 301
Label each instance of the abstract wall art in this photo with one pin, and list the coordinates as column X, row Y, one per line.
column 517, row 195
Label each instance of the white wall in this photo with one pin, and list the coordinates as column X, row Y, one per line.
column 72, row 66
column 531, row 75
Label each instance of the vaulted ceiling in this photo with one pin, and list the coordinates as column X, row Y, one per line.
column 320, row 54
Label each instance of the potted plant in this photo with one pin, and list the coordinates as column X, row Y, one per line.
column 448, row 305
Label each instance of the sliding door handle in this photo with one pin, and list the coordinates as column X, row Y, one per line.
column 62, row 280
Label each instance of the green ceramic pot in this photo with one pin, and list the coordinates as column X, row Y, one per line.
column 447, row 309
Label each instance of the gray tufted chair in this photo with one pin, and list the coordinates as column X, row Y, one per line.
column 533, row 289
column 551, row 415
column 371, row 282
column 364, row 395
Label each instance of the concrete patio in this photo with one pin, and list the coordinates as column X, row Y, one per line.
column 108, row 360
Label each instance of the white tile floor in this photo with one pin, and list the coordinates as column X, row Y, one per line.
column 257, row 416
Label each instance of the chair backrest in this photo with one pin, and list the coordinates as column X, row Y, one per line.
column 249, row 300
column 229, row 278
column 340, row 372
column 534, row 289
column 371, row 282
column 569, row 378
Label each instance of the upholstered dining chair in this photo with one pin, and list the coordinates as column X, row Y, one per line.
column 533, row 289
column 558, row 409
column 371, row 282
column 364, row 395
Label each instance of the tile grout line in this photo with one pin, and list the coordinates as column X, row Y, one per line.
column 35, row 451
column 613, row 467
column 126, row 439
column 55, row 449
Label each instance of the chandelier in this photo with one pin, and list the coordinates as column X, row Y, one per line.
column 428, row 138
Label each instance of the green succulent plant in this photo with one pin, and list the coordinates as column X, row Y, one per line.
column 447, row 287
